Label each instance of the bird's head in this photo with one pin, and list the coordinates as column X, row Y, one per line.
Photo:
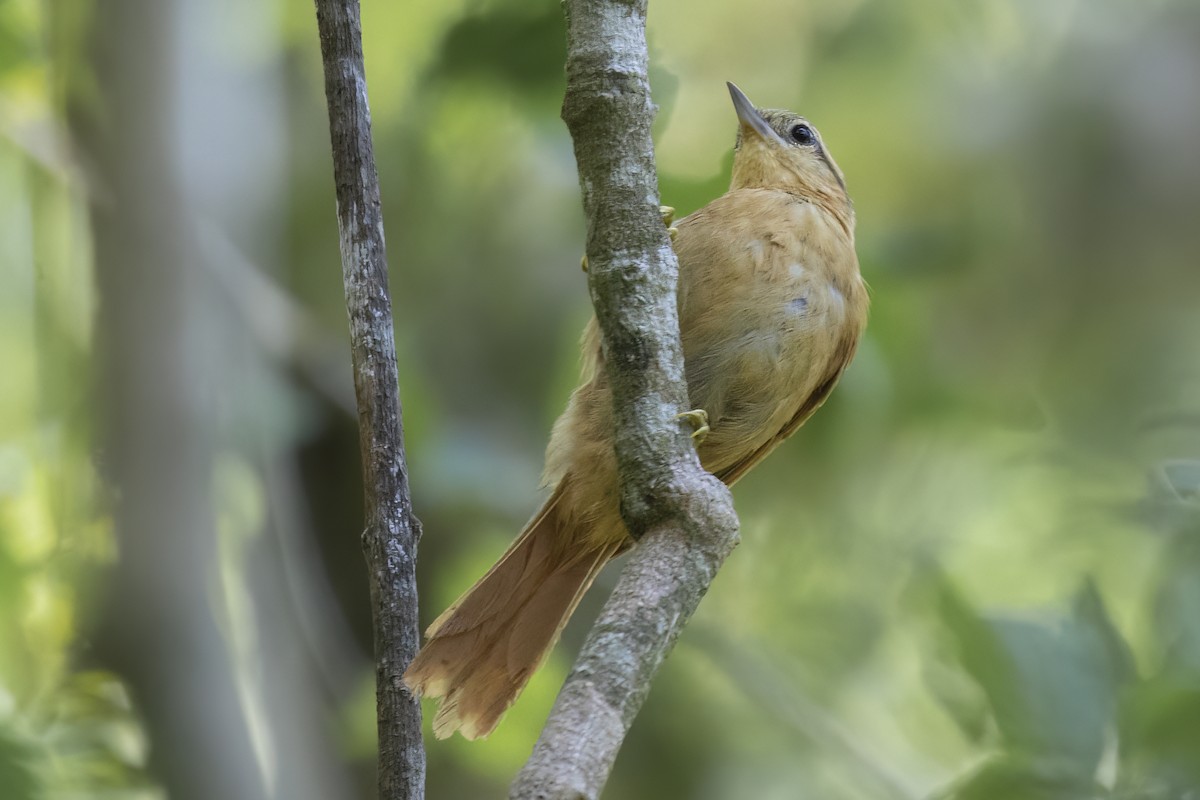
column 782, row 150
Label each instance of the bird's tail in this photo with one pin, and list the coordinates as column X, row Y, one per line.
column 481, row 651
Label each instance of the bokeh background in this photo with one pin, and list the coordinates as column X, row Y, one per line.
column 975, row 574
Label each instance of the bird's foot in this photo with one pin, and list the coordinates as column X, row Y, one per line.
column 698, row 419
column 668, row 216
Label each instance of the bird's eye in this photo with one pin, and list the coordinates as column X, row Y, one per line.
column 802, row 134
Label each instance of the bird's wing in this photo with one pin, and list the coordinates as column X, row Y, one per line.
column 734, row 472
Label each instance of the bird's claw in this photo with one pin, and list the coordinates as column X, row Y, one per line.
column 668, row 216
column 698, row 419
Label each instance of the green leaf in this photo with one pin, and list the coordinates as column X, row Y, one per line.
column 1159, row 734
column 18, row 767
column 521, row 49
column 1177, row 606
column 960, row 697
column 1092, row 615
column 1050, row 683
column 1182, row 478
column 1172, row 502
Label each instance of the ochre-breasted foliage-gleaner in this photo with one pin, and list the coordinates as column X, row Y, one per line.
column 771, row 307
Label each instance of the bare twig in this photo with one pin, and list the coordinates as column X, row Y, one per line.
column 390, row 538
column 682, row 516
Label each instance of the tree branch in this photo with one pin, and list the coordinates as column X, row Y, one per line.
column 682, row 516
column 392, row 531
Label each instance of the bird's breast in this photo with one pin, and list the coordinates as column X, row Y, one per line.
column 766, row 306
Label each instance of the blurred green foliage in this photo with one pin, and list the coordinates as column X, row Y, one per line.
column 974, row 575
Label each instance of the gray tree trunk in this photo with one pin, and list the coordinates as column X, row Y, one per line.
column 155, row 383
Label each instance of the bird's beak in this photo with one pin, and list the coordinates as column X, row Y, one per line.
column 750, row 117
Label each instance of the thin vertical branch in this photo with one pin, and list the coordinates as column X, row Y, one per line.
column 392, row 531
column 682, row 516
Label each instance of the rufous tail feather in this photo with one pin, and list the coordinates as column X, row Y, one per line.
column 482, row 650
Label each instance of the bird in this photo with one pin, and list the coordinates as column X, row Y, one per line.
column 771, row 309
